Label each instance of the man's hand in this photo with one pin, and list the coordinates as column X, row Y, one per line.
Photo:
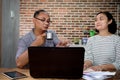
column 63, row 44
column 39, row 40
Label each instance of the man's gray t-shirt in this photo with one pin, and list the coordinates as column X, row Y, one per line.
column 27, row 40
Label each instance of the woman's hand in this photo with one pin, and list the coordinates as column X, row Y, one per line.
column 87, row 64
column 96, row 68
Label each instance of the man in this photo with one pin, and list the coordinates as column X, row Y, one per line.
column 37, row 37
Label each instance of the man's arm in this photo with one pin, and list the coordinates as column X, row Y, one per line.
column 22, row 60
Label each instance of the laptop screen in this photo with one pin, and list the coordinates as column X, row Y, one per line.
column 56, row 62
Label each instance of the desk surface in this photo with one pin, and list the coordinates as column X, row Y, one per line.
column 26, row 71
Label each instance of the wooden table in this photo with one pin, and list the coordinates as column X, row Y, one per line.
column 26, row 71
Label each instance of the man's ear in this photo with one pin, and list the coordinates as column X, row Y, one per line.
column 110, row 21
column 33, row 20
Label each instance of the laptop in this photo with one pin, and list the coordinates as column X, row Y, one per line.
column 56, row 62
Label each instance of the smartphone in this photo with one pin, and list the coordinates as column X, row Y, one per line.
column 14, row 75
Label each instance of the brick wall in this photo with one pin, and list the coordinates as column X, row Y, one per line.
column 69, row 17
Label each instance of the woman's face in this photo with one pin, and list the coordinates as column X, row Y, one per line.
column 42, row 21
column 101, row 22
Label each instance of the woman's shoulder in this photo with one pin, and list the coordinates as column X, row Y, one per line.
column 93, row 37
column 111, row 36
column 116, row 37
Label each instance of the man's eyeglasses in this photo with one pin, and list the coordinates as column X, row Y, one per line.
column 43, row 20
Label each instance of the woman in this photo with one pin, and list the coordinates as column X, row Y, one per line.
column 102, row 52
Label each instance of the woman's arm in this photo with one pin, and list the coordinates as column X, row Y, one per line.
column 105, row 67
column 87, row 64
column 22, row 53
column 88, row 54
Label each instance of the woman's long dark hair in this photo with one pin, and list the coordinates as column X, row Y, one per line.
column 112, row 28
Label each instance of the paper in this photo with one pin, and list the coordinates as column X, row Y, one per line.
column 97, row 75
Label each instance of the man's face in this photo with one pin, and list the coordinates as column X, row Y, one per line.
column 42, row 21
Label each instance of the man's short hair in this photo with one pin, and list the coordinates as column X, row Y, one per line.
column 38, row 12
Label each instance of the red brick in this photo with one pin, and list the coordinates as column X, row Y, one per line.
column 68, row 16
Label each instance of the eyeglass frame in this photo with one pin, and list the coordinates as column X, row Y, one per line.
column 43, row 20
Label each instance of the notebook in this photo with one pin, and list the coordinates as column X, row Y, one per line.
column 56, row 62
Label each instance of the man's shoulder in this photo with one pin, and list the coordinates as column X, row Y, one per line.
column 51, row 31
column 26, row 36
